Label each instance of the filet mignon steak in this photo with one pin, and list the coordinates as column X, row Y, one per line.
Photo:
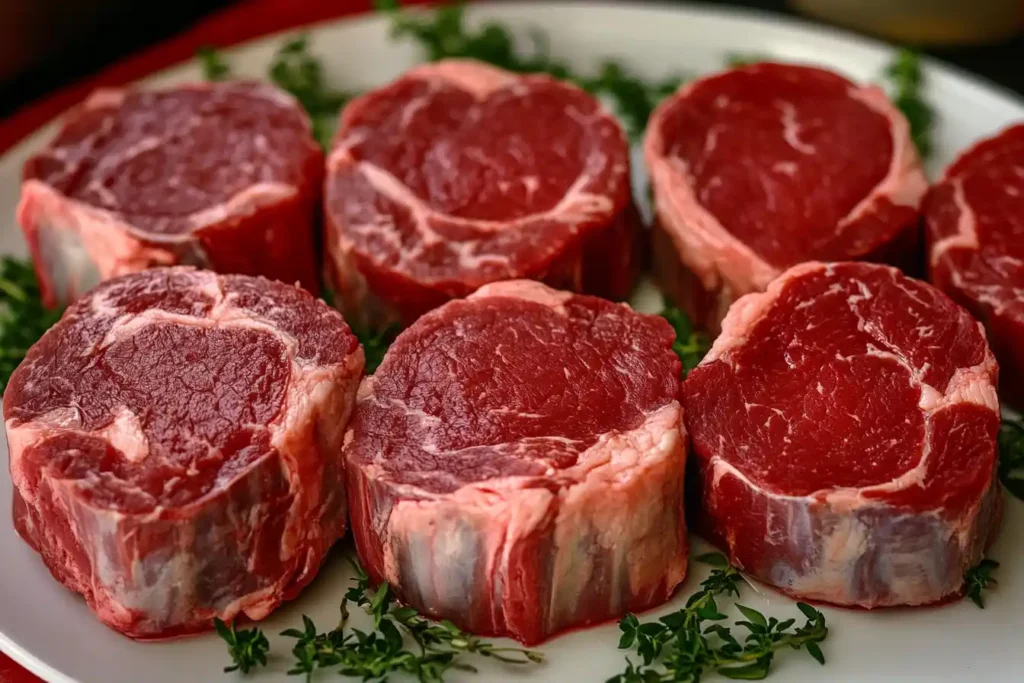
column 757, row 169
column 175, row 446
column 514, row 457
column 224, row 176
column 974, row 220
column 844, row 434
column 459, row 174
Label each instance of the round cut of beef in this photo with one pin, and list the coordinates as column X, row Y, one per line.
column 175, row 446
column 459, row 174
column 844, row 432
column 225, row 176
column 974, row 220
column 516, row 463
column 763, row 167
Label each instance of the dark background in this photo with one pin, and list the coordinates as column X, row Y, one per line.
column 45, row 44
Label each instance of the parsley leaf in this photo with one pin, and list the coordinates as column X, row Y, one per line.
column 443, row 34
column 734, row 60
column 295, row 69
column 690, row 345
column 439, row 647
column 684, row 646
column 213, row 64
column 376, row 344
column 979, row 578
column 1011, row 456
column 248, row 648
column 23, row 319
column 907, row 79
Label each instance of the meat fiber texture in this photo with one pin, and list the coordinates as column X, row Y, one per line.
column 974, row 220
column 175, row 446
column 225, row 176
column 844, row 431
column 459, row 174
column 516, row 463
column 763, row 167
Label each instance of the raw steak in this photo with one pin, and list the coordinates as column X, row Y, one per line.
column 516, row 464
column 224, row 176
column 459, row 174
column 974, row 219
column 763, row 167
column 175, row 446
column 844, row 431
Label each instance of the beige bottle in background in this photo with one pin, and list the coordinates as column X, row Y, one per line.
column 923, row 22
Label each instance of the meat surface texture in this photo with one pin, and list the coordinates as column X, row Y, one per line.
column 225, row 176
column 175, row 446
column 974, row 220
column 516, row 463
column 763, row 167
column 844, row 434
column 459, row 174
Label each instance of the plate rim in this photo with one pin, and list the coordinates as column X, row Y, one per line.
column 725, row 15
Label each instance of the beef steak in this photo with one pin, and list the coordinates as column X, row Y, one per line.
column 844, row 434
column 175, row 446
column 974, row 220
column 760, row 168
column 224, row 176
column 459, row 174
column 516, row 464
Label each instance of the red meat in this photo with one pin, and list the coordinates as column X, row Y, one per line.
column 516, row 464
column 175, row 445
column 757, row 169
column 974, row 219
column 224, row 176
column 459, row 174
column 844, row 429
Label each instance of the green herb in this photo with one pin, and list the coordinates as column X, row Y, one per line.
column 295, row 69
column 734, row 60
column 376, row 343
column 1011, row 456
column 213, row 64
column 439, row 647
column 907, row 79
column 690, row 345
column 23, row 318
column 248, row 648
column 681, row 648
column 979, row 578
column 635, row 99
column 443, row 34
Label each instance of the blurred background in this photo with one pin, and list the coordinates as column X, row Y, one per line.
column 45, row 44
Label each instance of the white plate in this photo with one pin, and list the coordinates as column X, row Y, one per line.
column 51, row 632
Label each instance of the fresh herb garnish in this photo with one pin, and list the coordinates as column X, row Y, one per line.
column 213, row 64
column 690, row 345
column 248, row 648
column 439, row 647
column 376, row 343
column 735, row 60
column 443, row 33
column 978, row 579
column 298, row 71
column 1011, row 456
column 680, row 648
column 295, row 69
column 907, row 79
column 23, row 319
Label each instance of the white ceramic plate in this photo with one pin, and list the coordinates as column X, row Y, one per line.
column 51, row 632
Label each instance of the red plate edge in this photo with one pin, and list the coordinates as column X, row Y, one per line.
column 230, row 26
